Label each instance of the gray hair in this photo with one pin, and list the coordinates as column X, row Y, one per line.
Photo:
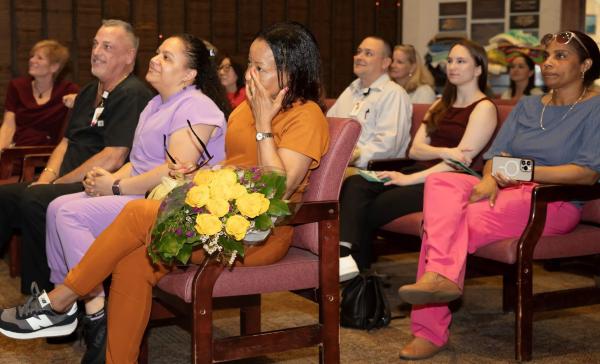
column 135, row 40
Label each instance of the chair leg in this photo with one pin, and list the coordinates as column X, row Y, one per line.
column 250, row 316
column 329, row 352
column 524, row 313
column 15, row 256
column 202, row 334
column 509, row 289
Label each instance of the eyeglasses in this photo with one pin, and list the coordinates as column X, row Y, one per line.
column 563, row 38
column 205, row 160
column 224, row 68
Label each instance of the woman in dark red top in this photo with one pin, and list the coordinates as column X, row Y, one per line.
column 34, row 109
column 458, row 126
column 232, row 78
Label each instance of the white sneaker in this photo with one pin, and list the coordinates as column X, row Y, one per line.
column 348, row 268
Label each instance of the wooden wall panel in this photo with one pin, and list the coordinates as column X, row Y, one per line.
column 116, row 9
column 60, row 27
column 198, row 18
column 145, row 22
column 338, row 25
column 251, row 12
column 224, row 27
column 298, row 11
column 274, row 11
column 6, row 50
column 28, row 18
column 171, row 17
column 89, row 19
column 342, row 48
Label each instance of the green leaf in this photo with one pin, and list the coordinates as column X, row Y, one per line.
column 230, row 245
column 169, row 245
column 278, row 207
column 184, row 254
column 263, row 222
column 274, row 185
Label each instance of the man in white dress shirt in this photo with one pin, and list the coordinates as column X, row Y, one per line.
column 383, row 109
column 381, row 106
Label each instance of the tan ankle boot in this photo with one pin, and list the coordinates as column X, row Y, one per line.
column 430, row 288
column 420, row 348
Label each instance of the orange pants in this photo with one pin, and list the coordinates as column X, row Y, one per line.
column 121, row 251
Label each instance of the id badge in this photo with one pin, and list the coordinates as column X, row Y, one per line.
column 96, row 116
column 355, row 109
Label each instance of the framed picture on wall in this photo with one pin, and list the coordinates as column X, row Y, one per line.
column 524, row 6
column 524, row 21
column 452, row 24
column 482, row 32
column 488, row 9
column 456, row 8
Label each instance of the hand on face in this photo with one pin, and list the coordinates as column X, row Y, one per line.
column 263, row 90
column 264, row 107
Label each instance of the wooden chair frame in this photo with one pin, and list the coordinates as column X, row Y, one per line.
column 252, row 342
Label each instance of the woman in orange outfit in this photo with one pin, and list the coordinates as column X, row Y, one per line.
column 280, row 125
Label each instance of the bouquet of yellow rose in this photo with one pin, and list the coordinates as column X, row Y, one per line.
column 216, row 211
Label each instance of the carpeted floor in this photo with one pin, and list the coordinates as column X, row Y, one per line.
column 481, row 333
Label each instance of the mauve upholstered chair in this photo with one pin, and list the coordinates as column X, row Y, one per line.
column 309, row 268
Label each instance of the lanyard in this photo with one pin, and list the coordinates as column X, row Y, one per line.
column 98, row 111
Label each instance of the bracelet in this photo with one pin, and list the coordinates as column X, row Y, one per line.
column 48, row 169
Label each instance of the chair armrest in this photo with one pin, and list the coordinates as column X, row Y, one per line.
column 540, row 197
column 551, row 193
column 307, row 212
column 10, row 155
column 30, row 163
column 20, row 152
column 392, row 164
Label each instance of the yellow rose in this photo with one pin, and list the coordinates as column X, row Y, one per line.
column 203, row 177
column 197, row 196
column 226, row 176
column 219, row 191
column 237, row 226
column 237, row 190
column 207, row 224
column 252, row 204
column 217, row 207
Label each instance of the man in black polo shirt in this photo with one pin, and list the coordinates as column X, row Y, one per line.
column 100, row 133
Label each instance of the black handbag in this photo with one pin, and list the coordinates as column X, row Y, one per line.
column 364, row 305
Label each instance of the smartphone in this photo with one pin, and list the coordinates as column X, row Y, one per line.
column 371, row 176
column 461, row 167
column 519, row 169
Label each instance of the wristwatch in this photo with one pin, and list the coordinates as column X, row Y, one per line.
column 261, row 136
column 116, row 188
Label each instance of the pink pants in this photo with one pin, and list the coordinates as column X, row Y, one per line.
column 453, row 227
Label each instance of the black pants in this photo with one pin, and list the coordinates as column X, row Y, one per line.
column 365, row 206
column 24, row 208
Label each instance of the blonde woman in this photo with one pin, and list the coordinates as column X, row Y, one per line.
column 407, row 70
column 34, row 109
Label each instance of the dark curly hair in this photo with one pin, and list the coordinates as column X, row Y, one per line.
column 297, row 56
column 207, row 80
column 591, row 51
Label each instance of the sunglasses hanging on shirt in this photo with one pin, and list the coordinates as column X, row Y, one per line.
column 206, row 157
